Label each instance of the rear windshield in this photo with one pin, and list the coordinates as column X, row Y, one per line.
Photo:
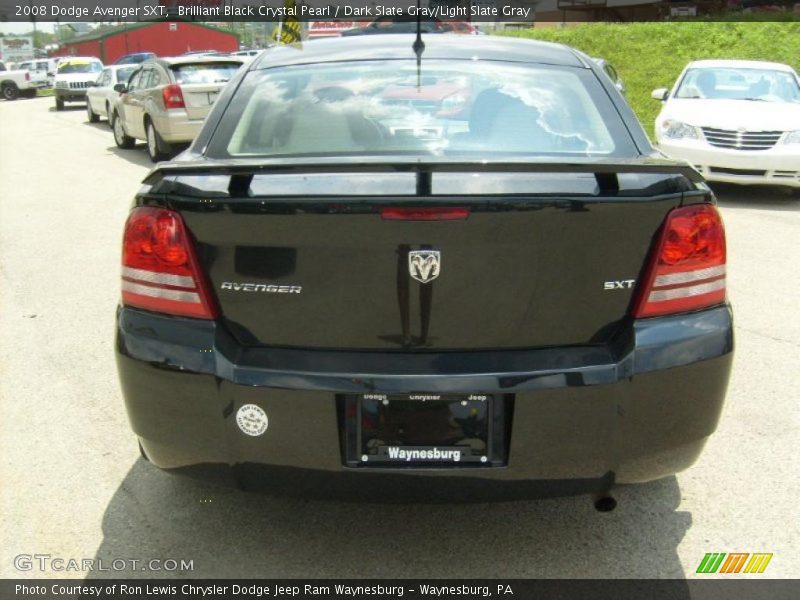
column 445, row 108
column 79, row 66
column 204, row 72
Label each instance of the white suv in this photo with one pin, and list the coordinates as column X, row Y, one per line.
column 73, row 77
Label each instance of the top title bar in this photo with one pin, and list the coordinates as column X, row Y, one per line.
column 520, row 12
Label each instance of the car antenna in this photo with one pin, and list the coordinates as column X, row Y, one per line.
column 419, row 47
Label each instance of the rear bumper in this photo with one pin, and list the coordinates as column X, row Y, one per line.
column 175, row 126
column 582, row 418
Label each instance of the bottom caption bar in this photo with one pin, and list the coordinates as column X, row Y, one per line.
column 441, row 589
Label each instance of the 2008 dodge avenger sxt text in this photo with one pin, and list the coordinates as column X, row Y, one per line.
column 468, row 276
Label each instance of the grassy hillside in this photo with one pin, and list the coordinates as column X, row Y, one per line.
column 651, row 55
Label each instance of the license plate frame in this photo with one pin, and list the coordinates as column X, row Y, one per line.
column 483, row 416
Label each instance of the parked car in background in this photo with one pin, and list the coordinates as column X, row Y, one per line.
column 341, row 291
column 74, row 76
column 42, row 70
column 16, row 82
column 101, row 96
column 462, row 27
column 246, row 53
column 736, row 121
column 320, row 29
column 134, row 58
column 198, row 52
column 609, row 70
column 404, row 24
column 166, row 100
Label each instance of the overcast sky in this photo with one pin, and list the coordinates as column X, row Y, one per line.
column 17, row 28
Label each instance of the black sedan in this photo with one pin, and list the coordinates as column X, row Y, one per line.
column 457, row 270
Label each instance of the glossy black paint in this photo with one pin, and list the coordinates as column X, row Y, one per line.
column 584, row 418
column 399, row 46
column 518, row 273
column 591, row 397
column 197, row 347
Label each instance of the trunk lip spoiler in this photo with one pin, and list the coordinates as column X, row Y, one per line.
column 249, row 167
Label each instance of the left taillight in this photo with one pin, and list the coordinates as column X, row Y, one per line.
column 173, row 97
column 687, row 269
column 160, row 270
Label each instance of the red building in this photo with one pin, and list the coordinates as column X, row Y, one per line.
column 164, row 38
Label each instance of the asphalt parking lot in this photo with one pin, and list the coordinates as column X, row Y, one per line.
column 72, row 484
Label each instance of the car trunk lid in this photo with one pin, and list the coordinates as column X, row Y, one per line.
column 533, row 256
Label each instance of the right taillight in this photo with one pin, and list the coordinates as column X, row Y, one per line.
column 687, row 270
column 160, row 271
column 173, row 97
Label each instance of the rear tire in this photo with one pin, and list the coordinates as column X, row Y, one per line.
column 122, row 139
column 90, row 114
column 142, row 452
column 10, row 91
column 59, row 104
column 157, row 149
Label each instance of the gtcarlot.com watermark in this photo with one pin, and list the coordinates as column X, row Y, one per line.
column 48, row 563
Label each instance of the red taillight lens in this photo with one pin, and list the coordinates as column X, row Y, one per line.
column 173, row 97
column 687, row 271
column 425, row 213
column 159, row 267
column 27, row 76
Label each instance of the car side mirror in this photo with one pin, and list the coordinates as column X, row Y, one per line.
column 660, row 94
column 121, row 88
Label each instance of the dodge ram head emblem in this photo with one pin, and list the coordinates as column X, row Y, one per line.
column 424, row 265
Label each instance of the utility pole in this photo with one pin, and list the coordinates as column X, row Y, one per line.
column 33, row 21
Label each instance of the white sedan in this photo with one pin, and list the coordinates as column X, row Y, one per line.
column 100, row 97
column 736, row 121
